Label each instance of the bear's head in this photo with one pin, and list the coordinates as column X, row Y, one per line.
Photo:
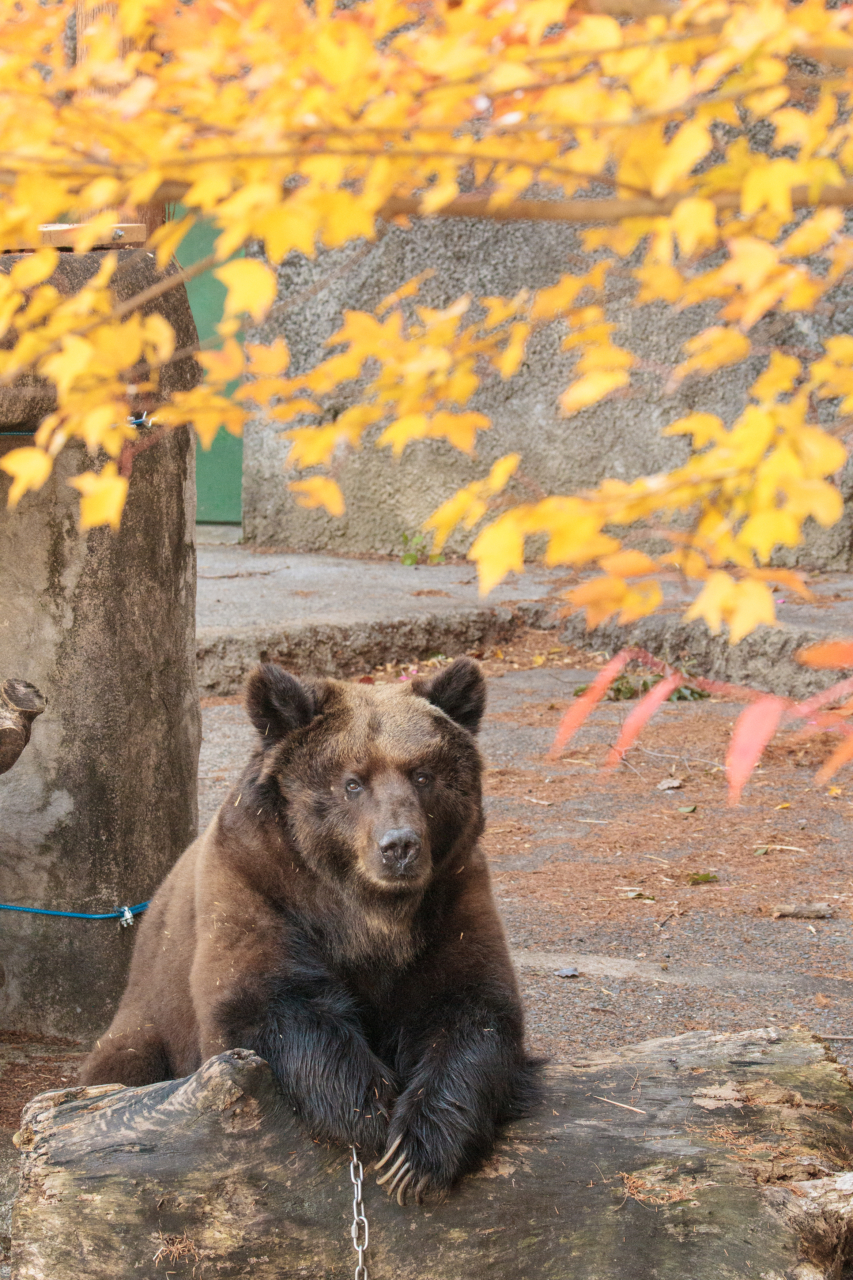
column 378, row 784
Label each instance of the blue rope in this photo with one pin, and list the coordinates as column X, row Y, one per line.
column 79, row 915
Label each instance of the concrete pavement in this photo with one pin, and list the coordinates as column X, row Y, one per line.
column 327, row 615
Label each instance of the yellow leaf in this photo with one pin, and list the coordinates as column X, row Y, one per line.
column 694, row 221
column 469, row 505
column 99, row 428
column 34, row 267
column 592, row 387
column 283, row 412
column 552, row 302
column 712, row 349
column 287, row 227
column 600, row 597
column 628, row 564
column 499, row 550
column 689, row 145
column 605, row 356
column 705, row 428
column 251, row 286
column 160, row 337
column 96, row 229
column 268, row 360
column 407, row 290
column 102, row 496
column 513, row 354
column 466, row 504
column 205, row 410
column 822, row 454
column 639, row 601
column 498, row 310
column 813, row 234
column 223, row 365
column 713, row 601
column 66, row 365
column 319, row 491
column 779, row 376
column 313, row 446
column 166, row 238
column 769, row 185
column 502, row 471
column 750, row 262
column 28, row 467
column 768, row 529
column 752, row 606
column 459, row 428
column 689, row 562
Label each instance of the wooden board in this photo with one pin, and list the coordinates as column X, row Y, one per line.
column 61, row 234
column 726, row 1158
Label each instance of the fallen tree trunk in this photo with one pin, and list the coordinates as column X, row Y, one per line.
column 20, row 703
column 702, row 1157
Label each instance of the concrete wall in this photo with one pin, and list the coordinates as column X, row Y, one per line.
column 387, row 499
column 104, row 798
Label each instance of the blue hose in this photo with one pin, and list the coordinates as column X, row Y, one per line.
column 79, row 915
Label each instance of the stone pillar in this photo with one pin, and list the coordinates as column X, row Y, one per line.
column 104, row 798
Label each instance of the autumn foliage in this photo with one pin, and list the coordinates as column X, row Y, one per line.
column 830, row 710
column 297, row 126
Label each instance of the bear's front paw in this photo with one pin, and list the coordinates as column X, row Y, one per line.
column 368, row 1124
column 419, row 1167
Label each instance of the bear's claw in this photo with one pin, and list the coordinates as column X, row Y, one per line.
column 403, row 1184
column 389, row 1153
column 390, row 1174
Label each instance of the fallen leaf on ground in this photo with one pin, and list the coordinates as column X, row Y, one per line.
column 670, row 784
column 808, row 911
column 702, row 877
column 567, row 973
column 822, row 1001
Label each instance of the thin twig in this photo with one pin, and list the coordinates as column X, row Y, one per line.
column 623, row 1105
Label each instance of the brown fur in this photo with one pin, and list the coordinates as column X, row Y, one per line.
column 337, row 918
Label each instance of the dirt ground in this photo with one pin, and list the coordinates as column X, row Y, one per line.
column 592, row 872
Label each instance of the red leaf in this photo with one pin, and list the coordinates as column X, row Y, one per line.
column 834, row 694
column 832, row 653
column 578, row 712
column 754, row 729
column 842, row 753
column 641, row 715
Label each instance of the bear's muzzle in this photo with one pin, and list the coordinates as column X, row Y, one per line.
column 400, row 848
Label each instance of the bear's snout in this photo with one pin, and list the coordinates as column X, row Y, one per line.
column 400, row 847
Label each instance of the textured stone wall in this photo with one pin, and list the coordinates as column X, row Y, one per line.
column 387, row 499
column 104, row 798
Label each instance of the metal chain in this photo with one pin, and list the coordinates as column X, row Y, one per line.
column 358, row 1231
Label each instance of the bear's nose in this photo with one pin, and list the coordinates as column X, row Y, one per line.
column 399, row 847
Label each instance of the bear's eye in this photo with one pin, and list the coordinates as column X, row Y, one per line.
column 352, row 786
column 421, row 778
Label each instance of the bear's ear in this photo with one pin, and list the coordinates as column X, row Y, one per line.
column 459, row 691
column 276, row 702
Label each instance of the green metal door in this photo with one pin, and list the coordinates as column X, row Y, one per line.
column 219, row 470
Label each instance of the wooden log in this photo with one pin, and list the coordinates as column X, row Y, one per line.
column 20, row 703
column 701, row 1157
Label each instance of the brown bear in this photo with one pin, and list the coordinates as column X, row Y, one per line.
column 337, row 918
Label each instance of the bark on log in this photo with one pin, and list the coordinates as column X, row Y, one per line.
column 702, row 1157
column 20, row 703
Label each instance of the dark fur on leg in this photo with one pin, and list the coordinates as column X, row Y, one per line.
column 311, row 1036
column 466, row 1078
